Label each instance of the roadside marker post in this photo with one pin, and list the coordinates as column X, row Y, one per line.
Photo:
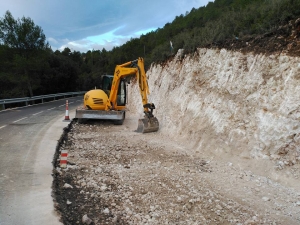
column 67, row 118
column 63, row 158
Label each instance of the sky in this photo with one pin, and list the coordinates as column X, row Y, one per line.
column 83, row 25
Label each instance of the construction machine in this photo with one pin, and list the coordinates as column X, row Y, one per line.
column 109, row 103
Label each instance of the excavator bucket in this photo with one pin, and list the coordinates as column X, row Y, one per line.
column 148, row 125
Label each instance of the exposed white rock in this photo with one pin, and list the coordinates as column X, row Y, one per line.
column 86, row 220
column 245, row 103
column 106, row 211
column 265, row 199
column 66, row 186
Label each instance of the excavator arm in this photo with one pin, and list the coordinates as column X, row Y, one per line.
column 134, row 68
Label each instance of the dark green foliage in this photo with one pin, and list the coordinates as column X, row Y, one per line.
column 21, row 34
column 26, row 45
column 59, row 75
column 28, row 66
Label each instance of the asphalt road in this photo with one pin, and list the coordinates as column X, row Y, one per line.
column 28, row 137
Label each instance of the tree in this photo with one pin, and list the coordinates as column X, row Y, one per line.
column 28, row 42
column 21, row 34
column 66, row 52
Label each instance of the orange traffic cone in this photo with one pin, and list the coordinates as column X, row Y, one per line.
column 67, row 118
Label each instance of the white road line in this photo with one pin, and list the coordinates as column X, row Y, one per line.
column 37, row 113
column 71, row 102
column 2, row 126
column 61, row 105
column 51, row 108
column 19, row 119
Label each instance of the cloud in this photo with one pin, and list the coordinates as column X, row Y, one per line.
column 52, row 40
column 107, row 40
column 84, row 25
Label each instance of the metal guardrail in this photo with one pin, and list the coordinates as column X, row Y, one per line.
column 4, row 102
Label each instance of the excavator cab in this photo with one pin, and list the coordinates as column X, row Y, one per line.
column 122, row 90
column 106, row 83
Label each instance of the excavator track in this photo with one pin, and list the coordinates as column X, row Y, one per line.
column 147, row 125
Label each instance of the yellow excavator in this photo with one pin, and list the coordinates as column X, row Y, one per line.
column 109, row 103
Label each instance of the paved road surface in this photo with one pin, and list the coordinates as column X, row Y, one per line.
column 28, row 138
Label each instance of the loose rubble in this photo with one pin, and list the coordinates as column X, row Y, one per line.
column 118, row 176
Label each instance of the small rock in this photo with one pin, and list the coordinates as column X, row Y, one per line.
column 219, row 207
column 86, row 220
column 188, row 206
column 115, row 219
column 266, row 199
column 68, row 202
column 66, row 186
column 71, row 162
column 103, row 188
column 138, row 217
column 106, row 211
column 58, row 170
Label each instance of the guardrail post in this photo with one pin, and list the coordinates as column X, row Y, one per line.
column 3, row 106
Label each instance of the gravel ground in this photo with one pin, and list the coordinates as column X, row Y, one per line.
column 117, row 176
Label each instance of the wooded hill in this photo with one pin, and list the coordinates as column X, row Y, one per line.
column 28, row 66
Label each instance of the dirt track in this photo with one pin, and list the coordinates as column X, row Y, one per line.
column 117, row 176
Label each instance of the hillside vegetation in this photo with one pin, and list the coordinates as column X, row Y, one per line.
column 32, row 68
